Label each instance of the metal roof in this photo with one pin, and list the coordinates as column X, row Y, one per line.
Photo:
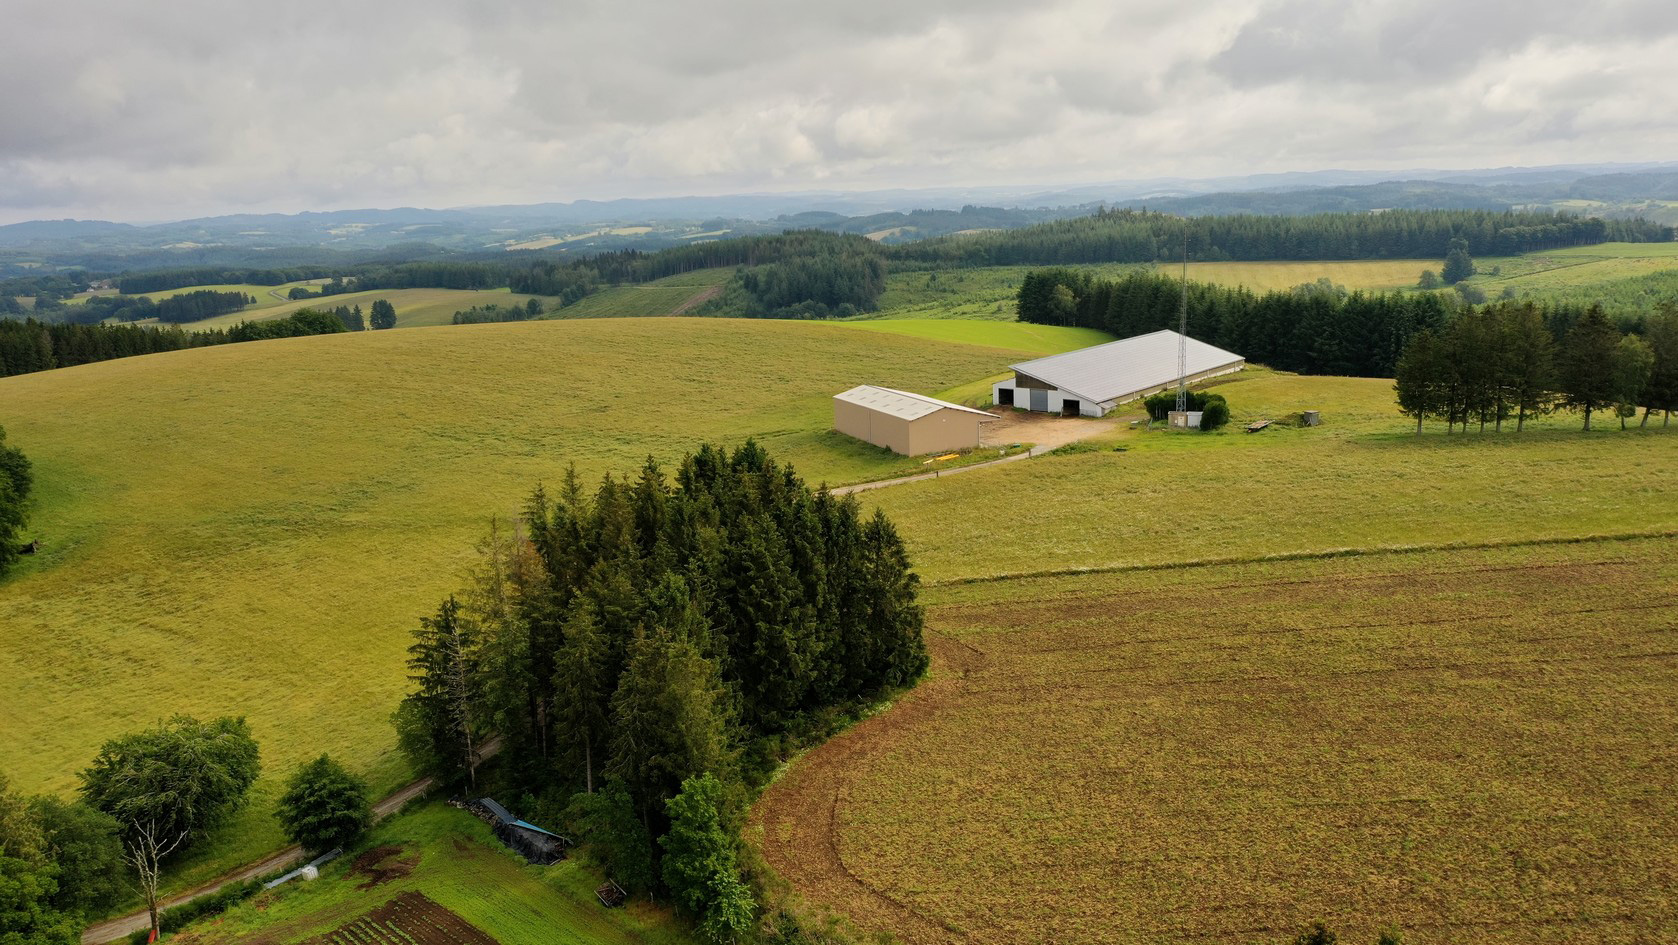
column 500, row 813
column 901, row 403
column 1112, row 370
column 530, row 826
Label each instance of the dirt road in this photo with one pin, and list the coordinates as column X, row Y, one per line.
column 1044, row 432
column 119, row 928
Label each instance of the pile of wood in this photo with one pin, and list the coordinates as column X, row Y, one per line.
column 610, row 894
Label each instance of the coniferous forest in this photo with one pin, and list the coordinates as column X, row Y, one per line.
column 625, row 642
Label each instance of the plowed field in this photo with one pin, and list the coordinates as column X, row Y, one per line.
column 1476, row 746
column 409, row 919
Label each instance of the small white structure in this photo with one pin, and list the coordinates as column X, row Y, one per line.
column 1091, row 381
column 1185, row 419
column 910, row 424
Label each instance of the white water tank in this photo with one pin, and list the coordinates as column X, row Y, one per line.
column 309, row 872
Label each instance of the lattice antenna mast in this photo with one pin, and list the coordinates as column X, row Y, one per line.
column 1183, row 329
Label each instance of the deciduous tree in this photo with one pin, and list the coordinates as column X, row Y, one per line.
column 324, row 806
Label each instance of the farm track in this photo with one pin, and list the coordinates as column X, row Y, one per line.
column 1073, row 770
column 112, row 930
column 697, row 299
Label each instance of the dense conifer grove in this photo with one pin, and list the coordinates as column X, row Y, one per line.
column 1512, row 361
column 28, row 346
column 657, row 631
column 1141, row 236
column 1312, row 329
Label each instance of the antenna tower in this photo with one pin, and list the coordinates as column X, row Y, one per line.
column 1183, row 329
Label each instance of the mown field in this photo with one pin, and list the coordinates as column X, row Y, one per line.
column 660, row 297
column 436, row 877
column 255, row 529
column 415, row 308
column 1473, row 746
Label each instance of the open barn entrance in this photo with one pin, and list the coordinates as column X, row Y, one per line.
column 1005, row 397
column 1070, row 408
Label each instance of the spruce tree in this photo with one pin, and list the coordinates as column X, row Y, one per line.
column 1661, row 391
column 1418, row 378
column 1587, row 364
column 582, row 691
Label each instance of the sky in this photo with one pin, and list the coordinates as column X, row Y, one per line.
column 135, row 111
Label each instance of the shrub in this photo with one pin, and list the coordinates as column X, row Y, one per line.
column 324, row 806
column 1214, row 415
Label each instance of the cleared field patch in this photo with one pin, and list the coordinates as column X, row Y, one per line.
column 415, row 308
column 255, row 529
column 1472, row 745
column 1016, row 336
column 1370, row 274
column 458, row 885
column 668, row 296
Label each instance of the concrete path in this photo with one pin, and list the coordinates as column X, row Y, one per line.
column 112, row 930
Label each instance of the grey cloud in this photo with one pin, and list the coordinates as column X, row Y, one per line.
column 142, row 110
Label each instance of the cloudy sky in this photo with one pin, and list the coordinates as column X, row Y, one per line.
column 149, row 110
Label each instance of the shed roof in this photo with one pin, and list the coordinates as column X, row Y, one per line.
column 901, row 403
column 1122, row 367
column 500, row 813
column 527, row 825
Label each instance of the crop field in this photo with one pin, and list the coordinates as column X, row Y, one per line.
column 255, row 529
column 1471, row 745
column 437, row 877
column 1017, row 336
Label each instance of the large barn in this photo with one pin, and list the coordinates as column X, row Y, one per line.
column 910, row 424
column 1091, row 381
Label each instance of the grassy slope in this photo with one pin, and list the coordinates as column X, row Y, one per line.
column 461, row 867
column 415, row 308
column 253, row 529
column 1360, row 480
column 1017, row 336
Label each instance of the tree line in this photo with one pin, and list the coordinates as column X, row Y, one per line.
column 1313, row 329
column 28, row 346
column 479, row 315
column 1506, row 361
column 16, row 479
column 199, row 305
column 1142, row 236
column 651, row 651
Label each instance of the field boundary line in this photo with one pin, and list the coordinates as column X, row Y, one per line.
column 1320, row 555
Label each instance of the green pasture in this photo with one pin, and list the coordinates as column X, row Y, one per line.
column 415, row 308
column 660, row 297
column 254, row 529
column 1017, row 336
column 457, row 863
column 1362, row 480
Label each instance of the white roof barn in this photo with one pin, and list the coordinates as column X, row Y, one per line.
column 1092, row 381
column 910, row 424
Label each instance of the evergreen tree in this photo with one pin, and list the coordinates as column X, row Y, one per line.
column 1528, row 366
column 1634, row 363
column 1661, row 391
column 1586, row 367
column 582, row 690
column 1418, row 379
column 667, row 723
column 440, row 724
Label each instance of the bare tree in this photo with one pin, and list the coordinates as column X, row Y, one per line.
column 145, row 846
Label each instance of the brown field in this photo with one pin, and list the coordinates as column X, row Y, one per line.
column 1475, row 746
column 409, row 919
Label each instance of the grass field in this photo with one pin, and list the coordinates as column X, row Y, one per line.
column 415, row 308
column 450, row 858
column 1471, row 745
column 1016, row 336
column 254, row 529
column 660, row 297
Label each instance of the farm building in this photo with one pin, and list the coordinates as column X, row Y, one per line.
column 906, row 423
column 1091, row 381
column 526, row 839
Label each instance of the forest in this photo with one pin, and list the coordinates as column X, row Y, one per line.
column 1142, row 236
column 659, row 640
column 1312, row 329
column 1514, row 361
column 28, row 346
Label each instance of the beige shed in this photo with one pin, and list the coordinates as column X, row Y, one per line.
column 906, row 423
